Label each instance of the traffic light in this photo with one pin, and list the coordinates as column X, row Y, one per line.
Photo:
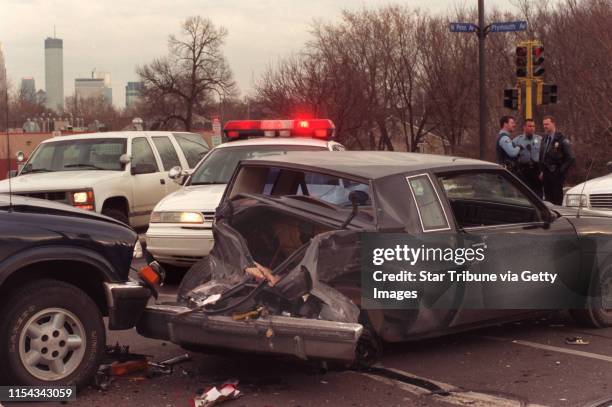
column 512, row 98
column 549, row 93
column 537, row 61
column 521, row 62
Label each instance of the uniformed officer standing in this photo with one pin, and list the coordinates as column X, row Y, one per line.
column 528, row 166
column 556, row 157
column 506, row 152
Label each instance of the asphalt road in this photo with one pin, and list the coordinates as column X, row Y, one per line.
column 518, row 364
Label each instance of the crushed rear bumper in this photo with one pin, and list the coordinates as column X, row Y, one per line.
column 301, row 337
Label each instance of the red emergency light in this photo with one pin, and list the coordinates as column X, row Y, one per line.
column 243, row 129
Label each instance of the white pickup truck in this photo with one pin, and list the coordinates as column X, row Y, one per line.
column 119, row 174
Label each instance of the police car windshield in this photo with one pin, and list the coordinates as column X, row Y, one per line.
column 77, row 155
column 219, row 165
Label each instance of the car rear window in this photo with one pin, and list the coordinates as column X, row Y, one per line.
column 219, row 166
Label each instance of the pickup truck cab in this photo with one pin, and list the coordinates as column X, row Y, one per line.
column 119, row 174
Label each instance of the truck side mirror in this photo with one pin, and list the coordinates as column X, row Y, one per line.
column 125, row 159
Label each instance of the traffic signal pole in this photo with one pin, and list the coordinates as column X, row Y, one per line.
column 482, row 128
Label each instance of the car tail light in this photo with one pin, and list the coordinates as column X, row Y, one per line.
column 317, row 128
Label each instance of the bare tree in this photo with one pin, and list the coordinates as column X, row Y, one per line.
column 186, row 81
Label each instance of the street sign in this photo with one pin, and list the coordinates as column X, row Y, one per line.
column 509, row 26
column 462, row 27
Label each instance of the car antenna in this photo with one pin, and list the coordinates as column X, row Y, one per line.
column 8, row 140
column 591, row 161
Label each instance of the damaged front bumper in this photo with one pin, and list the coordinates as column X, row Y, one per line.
column 126, row 302
column 301, row 337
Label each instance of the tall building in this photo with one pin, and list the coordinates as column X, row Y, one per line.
column 108, row 86
column 99, row 85
column 133, row 92
column 28, row 89
column 54, row 73
column 86, row 88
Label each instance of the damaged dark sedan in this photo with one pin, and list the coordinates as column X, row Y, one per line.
column 285, row 274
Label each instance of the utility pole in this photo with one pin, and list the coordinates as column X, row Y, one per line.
column 482, row 31
column 482, row 111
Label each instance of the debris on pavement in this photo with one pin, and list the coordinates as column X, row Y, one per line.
column 213, row 396
column 166, row 367
column 121, row 362
column 576, row 340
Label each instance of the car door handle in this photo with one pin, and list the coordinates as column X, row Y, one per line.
column 162, row 181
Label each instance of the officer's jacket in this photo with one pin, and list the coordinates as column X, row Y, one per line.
column 531, row 148
column 556, row 153
column 506, row 151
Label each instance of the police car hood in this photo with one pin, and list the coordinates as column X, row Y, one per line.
column 199, row 198
column 600, row 185
column 57, row 181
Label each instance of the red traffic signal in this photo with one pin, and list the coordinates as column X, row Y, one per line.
column 537, row 60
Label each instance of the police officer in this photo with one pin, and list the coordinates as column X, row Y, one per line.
column 506, row 152
column 556, row 157
column 528, row 165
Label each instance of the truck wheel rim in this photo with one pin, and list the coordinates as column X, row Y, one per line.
column 52, row 344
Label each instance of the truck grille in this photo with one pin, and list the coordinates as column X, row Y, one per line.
column 208, row 216
column 50, row 196
column 601, row 201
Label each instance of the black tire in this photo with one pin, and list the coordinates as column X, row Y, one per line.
column 197, row 274
column 598, row 310
column 116, row 214
column 30, row 306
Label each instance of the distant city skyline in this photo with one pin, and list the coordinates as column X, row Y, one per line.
column 116, row 36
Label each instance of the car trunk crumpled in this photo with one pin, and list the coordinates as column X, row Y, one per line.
column 302, row 315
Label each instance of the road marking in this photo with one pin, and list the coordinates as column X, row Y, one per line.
column 564, row 350
column 457, row 396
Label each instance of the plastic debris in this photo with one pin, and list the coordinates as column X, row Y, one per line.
column 576, row 340
column 213, row 396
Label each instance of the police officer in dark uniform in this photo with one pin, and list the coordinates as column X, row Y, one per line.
column 528, row 165
column 506, row 152
column 556, row 157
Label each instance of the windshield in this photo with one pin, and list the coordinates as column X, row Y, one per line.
column 77, row 155
column 220, row 164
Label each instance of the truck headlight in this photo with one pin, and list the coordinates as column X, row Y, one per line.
column 83, row 199
column 177, row 217
column 576, row 200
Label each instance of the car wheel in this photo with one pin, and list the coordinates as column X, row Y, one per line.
column 116, row 214
column 198, row 274
column 51, row 333
column 598, row 310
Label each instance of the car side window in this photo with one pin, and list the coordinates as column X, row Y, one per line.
column 479, row 198
column 167, row 152
column 429, row 207
column 143, row 158
column 193, row 145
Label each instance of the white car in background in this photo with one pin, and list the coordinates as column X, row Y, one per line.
column 595, row 194
column 180, row 231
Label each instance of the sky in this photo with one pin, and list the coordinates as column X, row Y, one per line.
column 117, row 35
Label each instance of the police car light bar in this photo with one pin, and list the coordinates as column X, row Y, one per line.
column 242, row 129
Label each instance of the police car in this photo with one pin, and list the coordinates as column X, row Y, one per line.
column 594, row 194
column 180, row 229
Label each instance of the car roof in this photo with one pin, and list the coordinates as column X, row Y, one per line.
column 111, row 134
column 369, row 164
column 275, row 141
